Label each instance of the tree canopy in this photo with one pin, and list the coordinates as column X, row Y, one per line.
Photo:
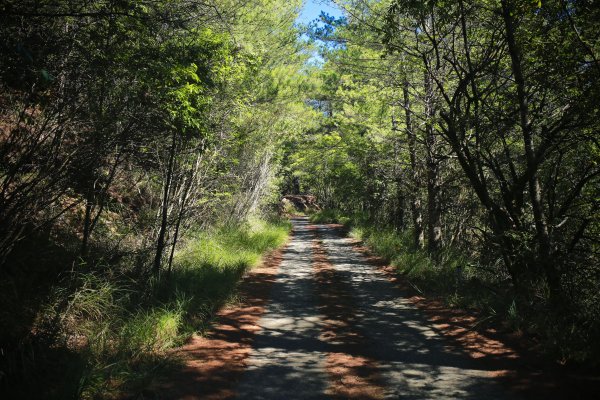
column 468, row 126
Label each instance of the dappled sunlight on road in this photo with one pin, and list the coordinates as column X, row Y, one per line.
column 287, row 360
column 332, row 322
column 416, row 361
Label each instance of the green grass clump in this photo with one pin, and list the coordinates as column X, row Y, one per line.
column 290, row 209
column 325, row 217
column 230, row 248
column 151, row 331
column 328, row 216
column 384, row 242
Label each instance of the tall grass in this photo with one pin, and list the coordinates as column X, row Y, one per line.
column 118, row 331
column 328, row 216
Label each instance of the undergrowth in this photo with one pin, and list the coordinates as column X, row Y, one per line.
column 113, row 333
column 328, row 216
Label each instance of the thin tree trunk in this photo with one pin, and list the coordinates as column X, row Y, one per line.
column 415, row 203
column 434, row 212
column 160, row 243
column 89, row 222
column 178, row 225
column 398, row 214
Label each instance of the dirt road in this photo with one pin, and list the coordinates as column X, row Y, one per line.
column 331, row 324
column 309, row 340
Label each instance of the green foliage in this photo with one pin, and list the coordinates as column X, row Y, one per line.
column 329, row 216
column 151, row 332
column 114, row 113
column 326, row 216
column 290, row 209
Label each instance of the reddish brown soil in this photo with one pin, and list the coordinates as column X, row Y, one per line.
column 507, row 355
column 214, row 364
column 354, row 374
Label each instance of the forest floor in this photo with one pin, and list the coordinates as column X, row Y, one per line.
column 324, row 319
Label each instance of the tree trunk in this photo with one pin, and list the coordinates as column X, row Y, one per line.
column 434, row 211
column 87, row 222
column 415, row 201
column 92, row 200
column 397, row 215
column 160, row 243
